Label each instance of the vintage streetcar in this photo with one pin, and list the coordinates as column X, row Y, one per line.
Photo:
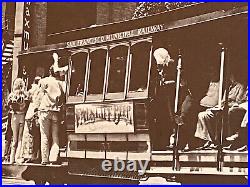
column 110, row 93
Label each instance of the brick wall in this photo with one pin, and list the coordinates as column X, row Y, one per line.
column 102, row 12
column 105, row 13
column 123, row 11
column 114, row 12
column 39, row 24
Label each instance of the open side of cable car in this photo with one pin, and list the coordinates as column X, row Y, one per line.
column 111, row 88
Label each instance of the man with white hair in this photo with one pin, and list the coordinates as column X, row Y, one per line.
column 165, row 66
column 164, row 98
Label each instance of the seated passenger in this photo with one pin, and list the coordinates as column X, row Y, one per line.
column 192, row 105
column 238, row 139
column 207, row 119
column 236, row 114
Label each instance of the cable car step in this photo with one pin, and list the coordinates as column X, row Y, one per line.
column 198, row 171
column 162, row 156
column 95, row 172
column 235, row 156
column 198, row 156
column 35, row 165
column 162, row 152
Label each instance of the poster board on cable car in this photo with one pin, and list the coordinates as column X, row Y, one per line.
column 104, row 118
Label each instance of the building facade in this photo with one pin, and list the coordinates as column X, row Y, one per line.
column 48, row 18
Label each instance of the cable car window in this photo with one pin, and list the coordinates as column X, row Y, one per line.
column 97, row 71
column 117, row 69
column 78, row 70
column 140, row 61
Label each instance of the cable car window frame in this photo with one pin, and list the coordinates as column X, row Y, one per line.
column 96, row 97
column 117, row 95
column 144, row 94
column 76, row 99
column 105, row 96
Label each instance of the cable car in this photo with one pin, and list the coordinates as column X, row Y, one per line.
column 110, row 92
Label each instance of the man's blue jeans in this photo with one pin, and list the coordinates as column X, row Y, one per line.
column 49, row 127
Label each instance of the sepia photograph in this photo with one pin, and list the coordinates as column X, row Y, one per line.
column 138, row 93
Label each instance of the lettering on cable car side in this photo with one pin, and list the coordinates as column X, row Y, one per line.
column 116, row 36
column 104, row 118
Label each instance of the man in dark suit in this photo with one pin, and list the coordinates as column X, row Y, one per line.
column 163, row 101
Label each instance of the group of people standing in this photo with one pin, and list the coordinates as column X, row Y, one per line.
column 199, row 113
column 33, row 132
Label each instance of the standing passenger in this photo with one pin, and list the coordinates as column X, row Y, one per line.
column 18, row 104
column 164, row 97
column 49, row 117
column 31, row 135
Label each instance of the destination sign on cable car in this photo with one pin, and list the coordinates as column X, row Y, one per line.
column 116, row 36
column 104, row 118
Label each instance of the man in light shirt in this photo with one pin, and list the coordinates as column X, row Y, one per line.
column 49, row 118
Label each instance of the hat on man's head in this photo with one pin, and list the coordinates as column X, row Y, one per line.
column 161, row 56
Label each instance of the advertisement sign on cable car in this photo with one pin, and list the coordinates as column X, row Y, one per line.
column 104, row 118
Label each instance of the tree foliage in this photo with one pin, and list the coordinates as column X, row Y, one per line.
column 149, row 8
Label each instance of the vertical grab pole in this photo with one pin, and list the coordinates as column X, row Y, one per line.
column 224, row 109
column 68, row 76
column 178, row 78
column 176, row 165
column 222, row 62
column 106, row 75
column 128, row 69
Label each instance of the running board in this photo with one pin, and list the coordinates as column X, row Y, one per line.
column 191, row 171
